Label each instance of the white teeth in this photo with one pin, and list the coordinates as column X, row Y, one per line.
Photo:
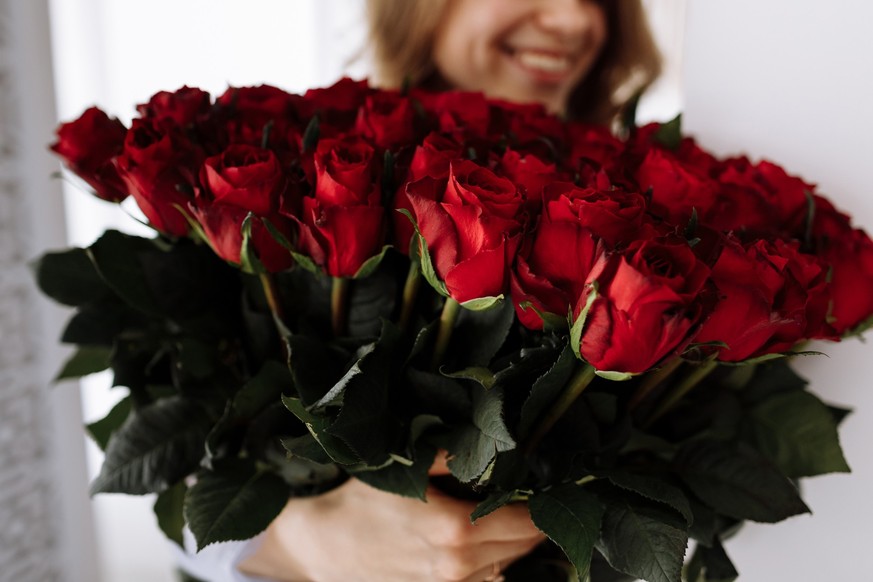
column 544, row 62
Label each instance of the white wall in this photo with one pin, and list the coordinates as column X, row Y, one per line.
column 792, row 81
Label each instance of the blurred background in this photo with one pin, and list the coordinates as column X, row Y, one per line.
column 750, row 76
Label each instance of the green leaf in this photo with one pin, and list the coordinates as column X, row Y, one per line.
column 711, row 565
column 306, row 447
column 579, row 324
column 642, row 538
column 798, row 433
column 338, row 450
column 69, row 277
column 315, row 366
column 571, row 517
column 235, row 502
column 546, row 391
column 96, row 324
column 84, row 361
column 117, row 258
column 654, row 488
column 102, row 430
column 492, row 503
column 168, row 509
column 669, row 134
column 371, row 264
column 770, row 379
column 157, row 446
column 738, row 482
column 440, row 395
column 482, row 303
column 479, row 335
column 473, row 446
column 482, row 375
column 367, row 421
column 371, row 300
column 402, row 479
column 419, row 246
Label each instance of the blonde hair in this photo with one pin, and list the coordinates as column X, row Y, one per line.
column 402, row 38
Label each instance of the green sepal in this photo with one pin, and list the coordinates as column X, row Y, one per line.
column 249, row 261
column 418, row 248
column 196, row 227
column 551, row 321
column 579, row 324
column 669, row 134
column 616, row 376
column 371, row 264
column 771, row 357
column 480, row 374
column 311, row 134
column 482, row 303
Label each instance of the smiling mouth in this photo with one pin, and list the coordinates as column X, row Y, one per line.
column 545, row 65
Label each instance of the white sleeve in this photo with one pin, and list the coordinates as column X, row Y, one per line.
column 217, row 562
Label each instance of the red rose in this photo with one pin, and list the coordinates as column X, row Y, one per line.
column 88, row 146
column 160, row 170
column 387, row 119
column 457, row 112
column 222, row 224
column 337, row 106
column 747, row 314
column 593, row 143
column 677, row 187
column 431, row 158
column 530, row 174
column 245, row 176
column 250, row 111
column 343, row 223
column 554, row 263
column 849, row 253
column 610, row 213
column 471, row 224
column 763, row 196
column 184, row 107
column 648, row 305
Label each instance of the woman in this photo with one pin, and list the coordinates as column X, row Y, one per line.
column 580, row 58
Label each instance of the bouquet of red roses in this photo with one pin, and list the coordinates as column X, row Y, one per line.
column 345, row 282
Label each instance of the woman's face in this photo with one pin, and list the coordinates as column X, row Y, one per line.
column 520, row 50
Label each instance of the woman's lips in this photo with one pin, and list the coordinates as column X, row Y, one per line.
column 543, row 65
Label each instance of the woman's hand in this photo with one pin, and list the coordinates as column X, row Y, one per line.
column 356, row 533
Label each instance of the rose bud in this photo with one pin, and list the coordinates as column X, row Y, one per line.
column 88, row 146
column 160, row 169
column 648, row 304
column 677, row 187
column 530, row 174
column 343, row 224
column 222, row 224
column 248, row 112
column 593, row 143
column 554, row 263
column 245, row 176
column 337, row 106
column 431, row 158
column 461, row 113
column 387, row 119
column 182, row 108
column 472, row 225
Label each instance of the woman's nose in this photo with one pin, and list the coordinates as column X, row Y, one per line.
column 569, row 17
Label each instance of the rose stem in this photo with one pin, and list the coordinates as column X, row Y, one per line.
column 271, row 293
column 578, row 383
column 652, row 380
column 410, row 293
column 338, row 294
column 693, row 378
column 451, row 309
